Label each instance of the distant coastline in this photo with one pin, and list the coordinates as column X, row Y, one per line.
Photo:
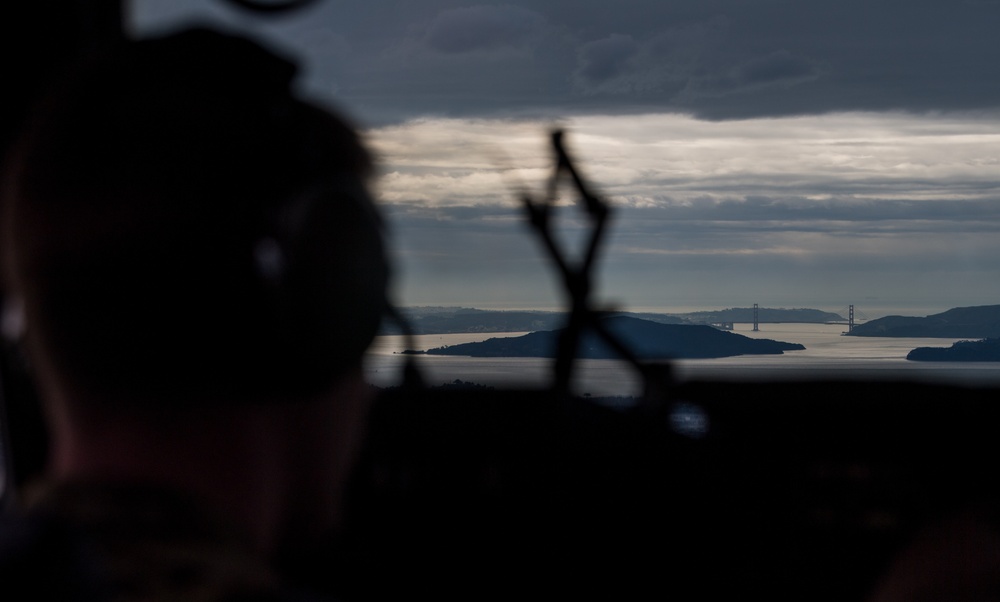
column 453, row 320
column 978, row 322
column 828, row 354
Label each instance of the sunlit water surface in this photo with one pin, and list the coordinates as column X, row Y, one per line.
column 828, row 354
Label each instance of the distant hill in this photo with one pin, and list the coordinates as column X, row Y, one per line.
column 659, row 318
column 647, row 339
column 986, row 350
column 978, row 322
column 455, row 320
column 764, row 315
column 449, row 320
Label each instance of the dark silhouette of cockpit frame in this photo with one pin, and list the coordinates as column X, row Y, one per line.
column 788, row 490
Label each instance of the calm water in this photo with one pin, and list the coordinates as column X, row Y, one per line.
column 828, row 354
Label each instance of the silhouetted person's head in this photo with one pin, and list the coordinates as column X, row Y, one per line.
column 200, row 269
column 182, row 229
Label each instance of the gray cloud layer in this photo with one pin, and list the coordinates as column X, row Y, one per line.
column 481, row 28
column 892, row 196
column 877, row 210
column 724, row 59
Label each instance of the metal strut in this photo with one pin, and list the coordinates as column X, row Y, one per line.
column 577, row 279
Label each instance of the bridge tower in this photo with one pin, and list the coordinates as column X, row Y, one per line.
column 850, row 318
column 755, row 328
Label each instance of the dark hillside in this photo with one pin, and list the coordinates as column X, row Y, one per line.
column 961, row 322
column 986, row 350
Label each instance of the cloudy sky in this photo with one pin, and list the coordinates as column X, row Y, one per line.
column 781, row 152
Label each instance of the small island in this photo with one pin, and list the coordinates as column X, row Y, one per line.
column 985, row 350
column 647, row 339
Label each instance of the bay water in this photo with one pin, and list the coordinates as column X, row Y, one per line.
column 828, row 354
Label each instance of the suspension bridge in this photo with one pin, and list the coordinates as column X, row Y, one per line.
column 853, row 314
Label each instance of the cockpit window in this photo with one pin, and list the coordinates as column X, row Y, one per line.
column 837, row 157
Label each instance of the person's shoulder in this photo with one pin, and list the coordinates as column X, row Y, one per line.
column 99, row 541
column 47, row 559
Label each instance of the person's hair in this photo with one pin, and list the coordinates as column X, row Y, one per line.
column 182, row 227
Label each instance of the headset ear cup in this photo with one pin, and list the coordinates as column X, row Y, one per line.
column 331, row 294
